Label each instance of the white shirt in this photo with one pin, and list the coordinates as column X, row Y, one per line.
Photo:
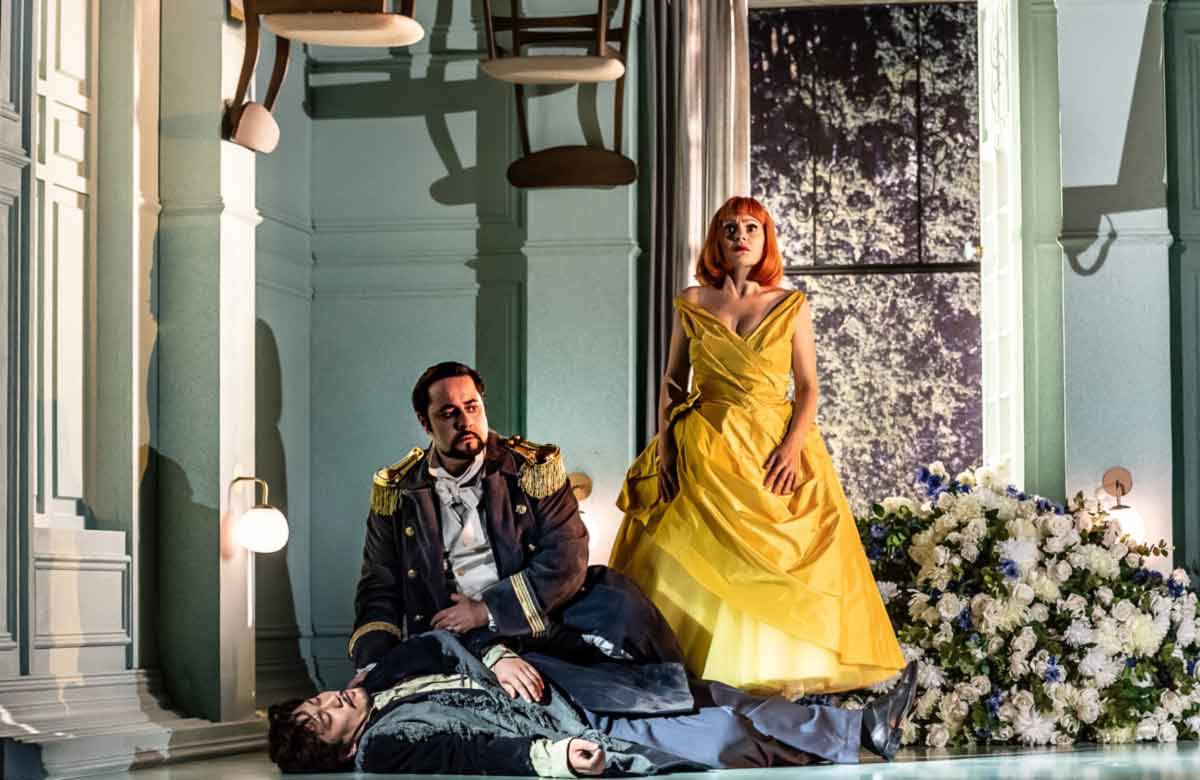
column 464, row 535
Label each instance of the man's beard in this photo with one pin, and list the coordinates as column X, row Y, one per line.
column 465, row 446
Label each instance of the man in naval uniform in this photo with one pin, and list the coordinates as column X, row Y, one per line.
column 481, row 536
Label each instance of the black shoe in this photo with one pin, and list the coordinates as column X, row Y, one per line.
column 881, row 718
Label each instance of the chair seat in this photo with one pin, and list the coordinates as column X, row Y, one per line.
column 572, row 166
column 346, row 29
column 554, row 69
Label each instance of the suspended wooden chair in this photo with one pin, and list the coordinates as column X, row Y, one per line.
column 320, row 22
column 563, row 166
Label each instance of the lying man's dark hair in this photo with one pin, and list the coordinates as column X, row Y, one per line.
column 294, row 747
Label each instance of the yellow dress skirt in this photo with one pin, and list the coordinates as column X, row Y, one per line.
column 766, row 592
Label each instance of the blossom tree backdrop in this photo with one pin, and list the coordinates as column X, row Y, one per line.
column 864, row 147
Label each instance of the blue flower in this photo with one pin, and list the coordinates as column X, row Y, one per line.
column 974, row 639
column 1130, row 663
column 934, row 485
column 878, row 531
column 1009, row 569
column 963, row 621
column 874, row 551
column 1191, row 667
column 1013, row 492
column 1140, row 576
column 1054, row 672
column 1176, row 589
column 993, row 703
column 1046, row 505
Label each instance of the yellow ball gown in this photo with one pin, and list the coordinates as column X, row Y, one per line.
column 765, row 592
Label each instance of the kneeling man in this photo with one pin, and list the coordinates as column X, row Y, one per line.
column 433, row 707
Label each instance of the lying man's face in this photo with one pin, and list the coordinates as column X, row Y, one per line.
column 335, row 717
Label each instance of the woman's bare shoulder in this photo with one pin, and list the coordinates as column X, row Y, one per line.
column 695, row 294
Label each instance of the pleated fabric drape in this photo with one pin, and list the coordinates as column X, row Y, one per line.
column 697, row 153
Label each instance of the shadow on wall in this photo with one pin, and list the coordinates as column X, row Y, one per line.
column 384, row 88
column 281, row 672
column 1139, row 186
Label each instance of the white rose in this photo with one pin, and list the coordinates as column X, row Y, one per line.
column 1147, row 729
column 887, row 590
column 976, row 529
column 949, row 606
column 996, row 644
column 1023, row 594
column 1172, row 703
column 965, row 478
column 1059, row 525
column 1180, row 577
column 893, row 504
column 1123, row 610
column 1039, row 613
column 938, row 736
column 1104, row 594
column 1133, row 560
column 1062, row 571
column 938, row 469
column 941, row 556
column 1023, row 701
column 1054, row 544
column 1075, row 604
column 1118, row 551
column 970, row 551
column 1167, row 732
column 982, row 685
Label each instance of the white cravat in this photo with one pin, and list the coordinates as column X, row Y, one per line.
column 463, row 534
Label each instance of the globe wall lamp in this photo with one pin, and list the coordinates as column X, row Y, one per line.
column 263, row 528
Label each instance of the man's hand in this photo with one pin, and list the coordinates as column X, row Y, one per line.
column 585, row 758
column 466, row 614
column 518, row 678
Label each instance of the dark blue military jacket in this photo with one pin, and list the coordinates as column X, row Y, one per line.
column 540, row 546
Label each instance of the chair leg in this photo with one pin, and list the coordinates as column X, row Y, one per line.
column 283, row 47
column 249, row 60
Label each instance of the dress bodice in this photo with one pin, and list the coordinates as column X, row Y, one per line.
column 740, row 370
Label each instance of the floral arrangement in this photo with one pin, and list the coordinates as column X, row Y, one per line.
column 1031, row 622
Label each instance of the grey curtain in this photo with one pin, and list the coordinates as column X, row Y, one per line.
column 696, row 152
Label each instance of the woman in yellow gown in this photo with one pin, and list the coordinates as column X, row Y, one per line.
column 735, row 523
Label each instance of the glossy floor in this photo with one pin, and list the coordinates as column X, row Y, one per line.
column 1126, row 762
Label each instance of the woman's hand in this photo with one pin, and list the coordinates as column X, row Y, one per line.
column 782, row 467
column 518, row 678
column 668, row 478
column 585, row 757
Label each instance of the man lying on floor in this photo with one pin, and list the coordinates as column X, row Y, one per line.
column 431, row 707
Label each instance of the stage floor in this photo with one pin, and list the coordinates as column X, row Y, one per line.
column 1123, row 762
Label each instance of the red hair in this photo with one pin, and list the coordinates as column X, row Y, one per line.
column 711, row 270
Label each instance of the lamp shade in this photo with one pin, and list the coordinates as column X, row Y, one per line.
column 1131, row 522
column 263, row 529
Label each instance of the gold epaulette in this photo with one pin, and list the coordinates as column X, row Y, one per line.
column 543, row 473
column 385, row 487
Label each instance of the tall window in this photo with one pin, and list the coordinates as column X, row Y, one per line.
column 865, row 148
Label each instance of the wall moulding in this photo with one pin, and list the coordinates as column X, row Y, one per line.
column 298, row 222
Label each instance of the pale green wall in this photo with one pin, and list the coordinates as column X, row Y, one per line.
column 283, row 348
column 423, row 252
